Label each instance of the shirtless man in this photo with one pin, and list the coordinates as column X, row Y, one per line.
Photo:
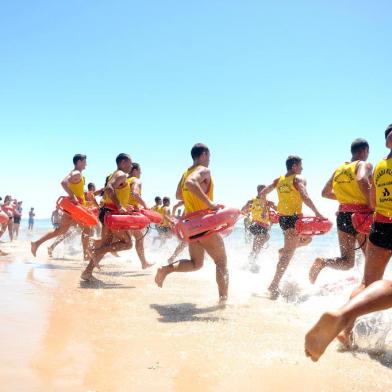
column 196, row 190
column 259, row 208
column 374, row 293
column 137, row 202
column 292, row 193
column 116, row 198
column 350, row 186
column 73, row 185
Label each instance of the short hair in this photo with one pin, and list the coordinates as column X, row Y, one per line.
column 358, row 145
column 198, row 149
column 122, row 157
column 135, row 166
column 166, row 199
column 292, row 160
column 157, row 198
column 90, row 186
column 260, row 188
column 78, row 157
column 388, row 130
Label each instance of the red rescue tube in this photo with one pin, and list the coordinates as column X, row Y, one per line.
column 362, row 222
column 311, row 225
column 122, row 222
column 153, row 216
column 78, row 213
column 3, row 217
column 204, row 223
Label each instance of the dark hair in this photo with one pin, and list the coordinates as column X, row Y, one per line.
column 358, row 145
column 198, row 149
column 90, row 186
column 260, row 188
column 292, row 160
column 166, row 199
column 122, row 157
column 157, row 199
column 78, row 157
column 135, row 166
column 388, row 130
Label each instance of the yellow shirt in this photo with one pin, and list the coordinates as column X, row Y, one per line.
column 383, row 183
column 165, row 221
column 132, row 200
column 191, row 202
column 123, row 195
column 345, row 185
column 259, row 211
column 290, row 200
column 78, row 190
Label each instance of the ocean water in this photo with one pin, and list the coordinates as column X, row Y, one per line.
column 332, row 289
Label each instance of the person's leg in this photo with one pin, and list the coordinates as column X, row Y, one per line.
column 58, row 240
column 180, row 247
column 139, row 245
column 65, row 223
column 291, row 241
column 85, row 237
column 215, row 247
column 16, row 230
column 344, row 262
column 376, row 297
column 196, row 253
column 10, row 226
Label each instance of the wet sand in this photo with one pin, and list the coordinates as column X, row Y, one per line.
column 125, row 334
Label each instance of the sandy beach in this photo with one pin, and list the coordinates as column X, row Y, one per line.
column 125, row 334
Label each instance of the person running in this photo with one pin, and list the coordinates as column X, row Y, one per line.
column 116, row 198
column 17, row 218
column 196, row 190
column 350, row 186
column 375, row 297
column 259, row 207
column 31, row 219
column 136, row 201
column 292, row 193
column 73, row 185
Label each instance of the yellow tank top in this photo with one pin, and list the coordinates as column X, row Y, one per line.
column 383, row 183
column 257, row 211
column 191, row 202
column 290, row 200
column 123, row 194
column 132, row 200
column 78, row 190
column 345, row 185
column 165, row 221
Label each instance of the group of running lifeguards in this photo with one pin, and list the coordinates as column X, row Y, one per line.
column 353, row 184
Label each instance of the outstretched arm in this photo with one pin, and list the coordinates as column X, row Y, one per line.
column 246, row 208
column 269, row 188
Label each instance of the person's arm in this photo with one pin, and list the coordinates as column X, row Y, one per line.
column 99, row 192
column 271, row 205
column 175, row 207
column 327, row 191
column 115, row 182
column 135, row 192
column 372, row 198
column 194, row 181
column 74, row 177
column 269, row 188
column 51, row 218
column 300, row 185
column 364, row 172
column 246, row 208
column 179, row 190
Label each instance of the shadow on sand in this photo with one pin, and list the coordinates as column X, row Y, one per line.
column 185, row 312
column 99, row 284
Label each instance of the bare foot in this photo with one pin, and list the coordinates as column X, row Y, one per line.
column 346, row 339
column 2, row 253
column 222, row 302
column 160, row 276
column 315, row 269
column 322, row 334
column 34, row 248
column 147, row 265
column 88, row 277
column 50, row 252
column 274, row 294
column 115, row 254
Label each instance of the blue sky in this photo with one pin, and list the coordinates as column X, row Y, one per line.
column 254, row 80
